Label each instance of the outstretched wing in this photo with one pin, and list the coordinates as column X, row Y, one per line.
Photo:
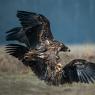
column 35, row 29
column 16, row 50
column 79, row 70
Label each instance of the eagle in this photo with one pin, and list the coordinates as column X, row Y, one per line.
column 34, row 32
column 38, row 49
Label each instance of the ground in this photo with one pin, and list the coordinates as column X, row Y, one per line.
column 16, row 79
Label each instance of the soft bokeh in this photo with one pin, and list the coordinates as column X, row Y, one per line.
column 72, row 21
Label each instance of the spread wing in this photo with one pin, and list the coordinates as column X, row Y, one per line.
column 34, row 29
column 16, row 50
column 79, row 71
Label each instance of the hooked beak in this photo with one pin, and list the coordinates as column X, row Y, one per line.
column 65, row 49
column 68, row 50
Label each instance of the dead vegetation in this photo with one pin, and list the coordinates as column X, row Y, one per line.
column 11, row 65
column 16, row 79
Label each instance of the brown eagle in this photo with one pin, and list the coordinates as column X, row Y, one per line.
column 38, row 49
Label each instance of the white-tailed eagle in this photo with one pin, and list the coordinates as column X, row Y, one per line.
column 40, row 52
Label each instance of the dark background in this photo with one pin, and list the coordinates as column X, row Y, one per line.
column 72, row 21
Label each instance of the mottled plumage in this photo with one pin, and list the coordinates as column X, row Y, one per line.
column 38, row 49
column 35, row 28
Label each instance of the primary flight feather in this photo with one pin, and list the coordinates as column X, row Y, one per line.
column 38, row 49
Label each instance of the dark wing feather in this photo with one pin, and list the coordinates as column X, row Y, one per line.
column 35, row 28
column 28, row 36
column 16, row 50
column 17, row 34
column 79, row 71
column 30, row 19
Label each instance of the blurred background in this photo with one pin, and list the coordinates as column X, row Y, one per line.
column 72, row 21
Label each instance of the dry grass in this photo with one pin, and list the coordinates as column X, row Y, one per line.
column 86, row 52
column 11, row 65
column 16, row 79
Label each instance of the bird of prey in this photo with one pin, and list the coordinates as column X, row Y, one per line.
column 40, row 51
column 54, row 72
column 34, row 31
